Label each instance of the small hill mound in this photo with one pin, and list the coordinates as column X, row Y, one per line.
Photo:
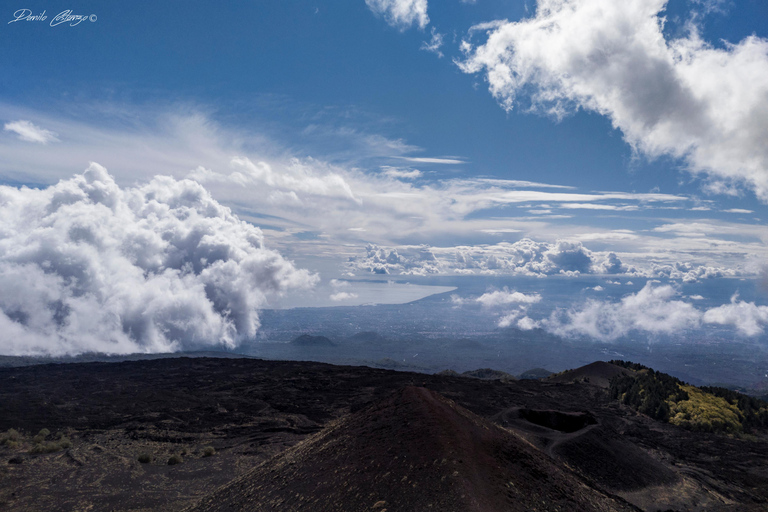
column 535, row 374
column 488, row 374
column 414, row 450
column 597, row 374
column 367, row 337
column 308, row 340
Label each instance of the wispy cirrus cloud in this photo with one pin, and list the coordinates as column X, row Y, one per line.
column 398, row 173
column 30, row 132
column 434, row 44
column 314, row 208
column 433, row 160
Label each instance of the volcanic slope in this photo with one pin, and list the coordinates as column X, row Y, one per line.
column 414, row 450
column 598, row 374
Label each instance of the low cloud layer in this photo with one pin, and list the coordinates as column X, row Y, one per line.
column 680, row 97
column 653, row 309
column 505, row 297
column 656, row 310
column 524, row 257
column 86, row 266
column 748, row 318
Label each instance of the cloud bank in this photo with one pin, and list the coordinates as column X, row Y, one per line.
column 524, row 257
column 86, row 266
column 681, row 97
column 746, row 317
column 657, row 310
column 651, row 310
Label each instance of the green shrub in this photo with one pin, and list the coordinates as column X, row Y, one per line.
column 705, row 412
column 40, row 437
column 209, row 451
column 10, row 435
column 48, row 447
column 41, row 446
column 175, row 459
column 145, row 458
column 10, row 438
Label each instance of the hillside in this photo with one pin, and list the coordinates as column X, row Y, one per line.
column 666, row 398
column 110, row 432
column 597, row 374
column 414, row 450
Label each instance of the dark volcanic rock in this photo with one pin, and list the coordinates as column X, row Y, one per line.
column 535, row 374
column 567, row 422
column 488, row 374
column 597, row 374
column 414, row 450
column 308, row 340
column 251, row 410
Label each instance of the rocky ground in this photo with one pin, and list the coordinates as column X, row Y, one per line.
column 250, row 411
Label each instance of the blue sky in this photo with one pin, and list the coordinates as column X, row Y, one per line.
column 407, row 137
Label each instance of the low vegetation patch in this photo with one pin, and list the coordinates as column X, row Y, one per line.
column 13, row 439
column 10, row 438
column 705, row 412
column 175, row 459
column 144, row 458
column 668, row 399
column 209, row 451
column 42, row 446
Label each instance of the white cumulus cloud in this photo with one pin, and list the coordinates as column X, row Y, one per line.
column 527, row 324
column 524, row 257
column 337, row 297
column 505, row 297
column 87, row 266
column 401, row 14
column 746, row 317
column 654, row 309
column 680, row 97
